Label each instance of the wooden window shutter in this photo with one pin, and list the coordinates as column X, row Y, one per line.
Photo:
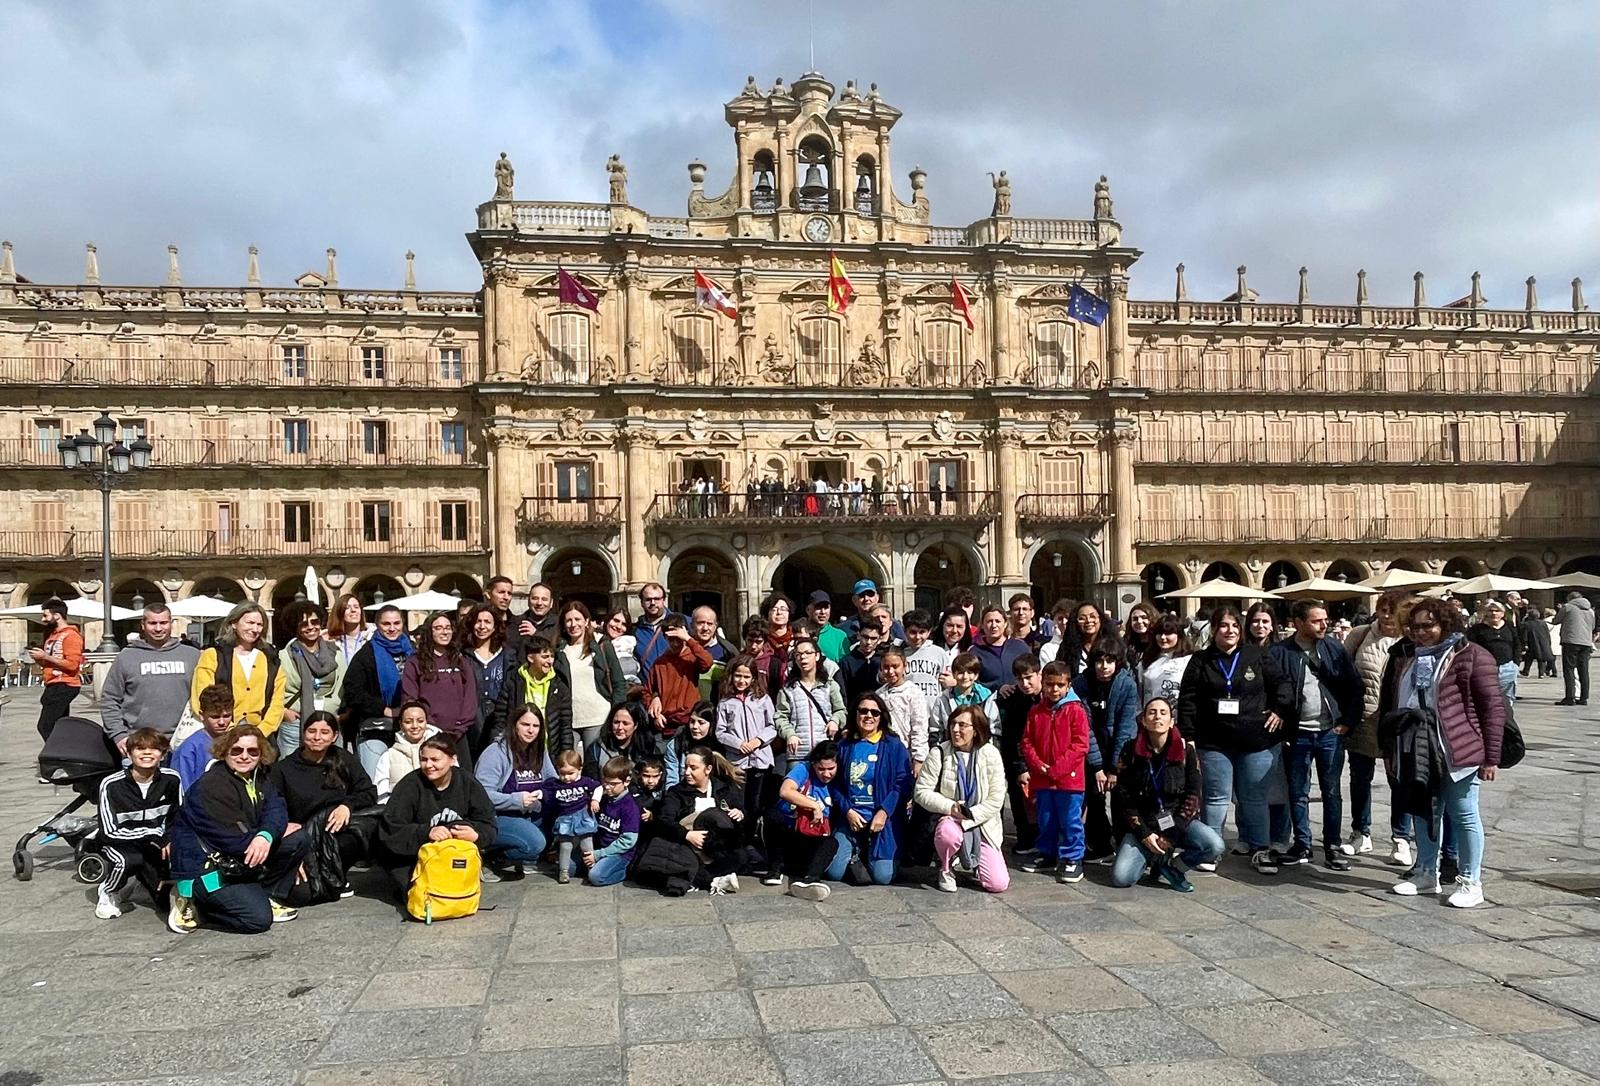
column 319, row 522
column 475, row 530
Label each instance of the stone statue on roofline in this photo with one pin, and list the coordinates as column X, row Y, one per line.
column 1102, row 199
column 504, row 176
column 619, row 179
column 1002, row 195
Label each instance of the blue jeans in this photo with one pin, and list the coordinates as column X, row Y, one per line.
column 287, row 739
column 1326, row 749
column 1362, row 770
column 1279, row 823
column 1224, row 775
column 1060, row 824
column 1202, row 844
column 520, row 841
column 369, row 752
column 1508, row 680
column 607, row 870
column 1457, row 801
column 882, row 871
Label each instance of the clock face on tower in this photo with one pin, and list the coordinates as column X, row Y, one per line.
column 818, row 229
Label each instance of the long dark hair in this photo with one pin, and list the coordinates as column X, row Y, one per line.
column 1137, row 642
column 1168, row 623
column 524, row 756
column 497, row 639
column 793, row 675
column 333, row 769
column 588, row 621
column 1259, row 608
column 966, row 626
column 883, row 714
column 427, row 666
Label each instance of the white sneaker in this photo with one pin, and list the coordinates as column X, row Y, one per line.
column 181, row 919
column 810, row 891
column 725, row 884
column 1417, row 885
column 108, row 907
column 1403, row 855
column 1358, row 843
column 1468, row 894
column 947, row 882
column 1207, row 866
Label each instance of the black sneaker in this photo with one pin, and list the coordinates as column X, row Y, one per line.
column 1563, row 701
column 1070, row 872
column 1039, row 865
column 1299, row 854
column 1336, row 860
column 1448, row 869
column 1265, row 861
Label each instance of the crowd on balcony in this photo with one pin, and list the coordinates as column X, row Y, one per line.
column 703, row 497
column 797, row 749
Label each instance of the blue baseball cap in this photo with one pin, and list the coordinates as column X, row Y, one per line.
column 864, row 585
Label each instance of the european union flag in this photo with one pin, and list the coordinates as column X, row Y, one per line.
column 1086, row 307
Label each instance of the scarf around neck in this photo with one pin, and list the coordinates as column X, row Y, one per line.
column 1425, row 668
column 312, row 664
column 386, row 652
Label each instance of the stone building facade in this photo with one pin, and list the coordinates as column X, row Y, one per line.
column 400, row 440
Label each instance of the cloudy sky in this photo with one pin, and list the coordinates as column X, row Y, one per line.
column 1346, row 134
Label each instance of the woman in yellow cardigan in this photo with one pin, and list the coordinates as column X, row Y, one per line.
column 254, row 676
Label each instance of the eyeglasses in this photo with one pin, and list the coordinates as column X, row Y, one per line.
column 961, row 725
column 868, row 712
column 652, row 599
column 864, row 595
column 244, row 752
column 1424, row 626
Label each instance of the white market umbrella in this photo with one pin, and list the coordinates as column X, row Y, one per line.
column 1405, row 578
column 1324, row 588
column 1219, row 589
column 1495, row 582
column 1576, row 580
column 80, row 608
column 204, row 608
column 422, row 601
column 313, row 588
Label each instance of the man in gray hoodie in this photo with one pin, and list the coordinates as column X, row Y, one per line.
column 148, row 685
column 1576, row 621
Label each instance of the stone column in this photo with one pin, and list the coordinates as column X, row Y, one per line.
column 509, row 456
column 1001, row 367
column 499, row 283
column 633, row 307
column 782, row 173
column 1117, row 334
column 1122, row 566
column 741, row 163
column 638, row 470
column 1008, row 545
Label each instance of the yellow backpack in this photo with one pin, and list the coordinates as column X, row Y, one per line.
column 445, row 882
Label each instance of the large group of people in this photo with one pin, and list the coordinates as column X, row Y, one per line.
column 805, row 753
column 702, row 497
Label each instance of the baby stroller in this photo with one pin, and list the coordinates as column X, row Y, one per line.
column 78, row 755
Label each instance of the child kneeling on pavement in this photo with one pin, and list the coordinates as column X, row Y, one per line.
column 1158, row 784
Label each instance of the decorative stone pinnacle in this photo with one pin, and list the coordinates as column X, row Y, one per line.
column 1361, row 286
column 1476, row 299
column 253, row 273
column 1577, row 296
column 174, row 276
column 8, row 269
column 91, row 264
column 1183, row 289
column 1419, row 296
column 411, row 270
column 1532, row 301
column 333, row 267
column 1305, row 289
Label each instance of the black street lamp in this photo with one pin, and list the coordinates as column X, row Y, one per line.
column 105, row 458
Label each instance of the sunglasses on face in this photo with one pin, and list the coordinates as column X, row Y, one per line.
column 244, row 752
column 868, row 712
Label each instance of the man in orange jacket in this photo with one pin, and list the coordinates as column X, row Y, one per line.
column 61, row 657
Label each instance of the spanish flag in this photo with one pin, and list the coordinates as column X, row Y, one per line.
column 840, row 292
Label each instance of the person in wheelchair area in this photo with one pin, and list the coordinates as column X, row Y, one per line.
column 137, row 808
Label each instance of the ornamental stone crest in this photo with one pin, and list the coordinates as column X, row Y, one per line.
column 822, row 425
column 571, row 425
column 699, row 424
column 1060, row 427
column 944, row 426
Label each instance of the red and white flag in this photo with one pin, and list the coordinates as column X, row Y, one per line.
column 707, row 295
column 572, row 292
column 960, row 302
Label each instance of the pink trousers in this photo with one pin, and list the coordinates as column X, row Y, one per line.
column 992, row 873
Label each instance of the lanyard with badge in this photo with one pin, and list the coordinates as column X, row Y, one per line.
column 1228, row 706
column 1164, row 819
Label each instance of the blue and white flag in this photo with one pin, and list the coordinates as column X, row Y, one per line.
column 1086, row 307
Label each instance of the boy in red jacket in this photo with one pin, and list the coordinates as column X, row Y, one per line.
column 1055, row 744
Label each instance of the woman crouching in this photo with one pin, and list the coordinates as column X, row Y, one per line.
column 1158, row 783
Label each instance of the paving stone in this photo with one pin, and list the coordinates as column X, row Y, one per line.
column 1486, row 1060
column 970, row 1050
column 1127, row 948
column 1579, row 916
column 592, row 1066
column 1133, row 1037
column 1507, row 962
column 152, row 1053
column 789, row 933
column 777, row 968
column 1071, row 919
column 907, row 927
column 1363, row 1066
column 478, row 952
column 149, row 1006
column 681, row 1016
column 426, row 1034
column 1495, row 1009
column 1400, row 967
column 704, row 1063
column 578, row 944
column 962, row 925
column 1408, row 928
column 926, row 1000
column 811, row 1007
column 1234, row 940
column 1382, row 1016
column 1162, row 910
column 655, row 911
column 425, row 988
column 1514, row 925
column 1255, row 1029
column 1085, row 988
column 914, row 960
column 1324, row 935
column 1190, row 1073
column 419, row 1073
column 1574, row 949
column 548, row 1023
column 1258, row 906
column 852, row 1057
column 865, row 901
column 1184, row 985
column 1290, row 975
column 711, row 972
column 1008, row 953
column 672, row 942
column 1580, row 993
column 564, row 980
column 1576, row 1048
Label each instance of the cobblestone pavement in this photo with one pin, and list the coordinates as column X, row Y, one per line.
column 1313, row 977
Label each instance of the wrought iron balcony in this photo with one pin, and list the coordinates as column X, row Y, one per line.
column 1258, row 451
column 1055, row 509
column 247, row 372
column 1381, row 529
column 266, row 452
column 809, row 508
column 538, row 515
column 241, row 542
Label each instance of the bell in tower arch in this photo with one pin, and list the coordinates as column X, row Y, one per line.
column 814, row 188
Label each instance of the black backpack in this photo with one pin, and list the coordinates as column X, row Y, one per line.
column 1512, row 748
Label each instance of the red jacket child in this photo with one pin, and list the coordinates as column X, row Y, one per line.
column 1055, row 744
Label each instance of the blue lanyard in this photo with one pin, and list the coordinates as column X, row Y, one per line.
column 968, row 785
column 1155, row 786
column 1227, row 675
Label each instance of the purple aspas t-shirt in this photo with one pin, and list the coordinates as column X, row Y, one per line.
column 566, row 799
column 617, row 817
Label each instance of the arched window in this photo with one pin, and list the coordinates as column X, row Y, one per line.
column 569, row 348
column 866, row 187
column 763, row 183
column 694, row 346
column 944, row 351
column 1053, row 361
column 819, row 350
column 815, row 192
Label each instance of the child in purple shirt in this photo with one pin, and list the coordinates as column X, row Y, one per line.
column 618, row 826
column 575, row 800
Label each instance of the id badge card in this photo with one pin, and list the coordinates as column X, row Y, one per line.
column 1165, row 821
column 1227, row 706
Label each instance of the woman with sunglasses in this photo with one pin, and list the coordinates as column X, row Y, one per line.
column 870, row 794
column 313, row 669
column 232, row 859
